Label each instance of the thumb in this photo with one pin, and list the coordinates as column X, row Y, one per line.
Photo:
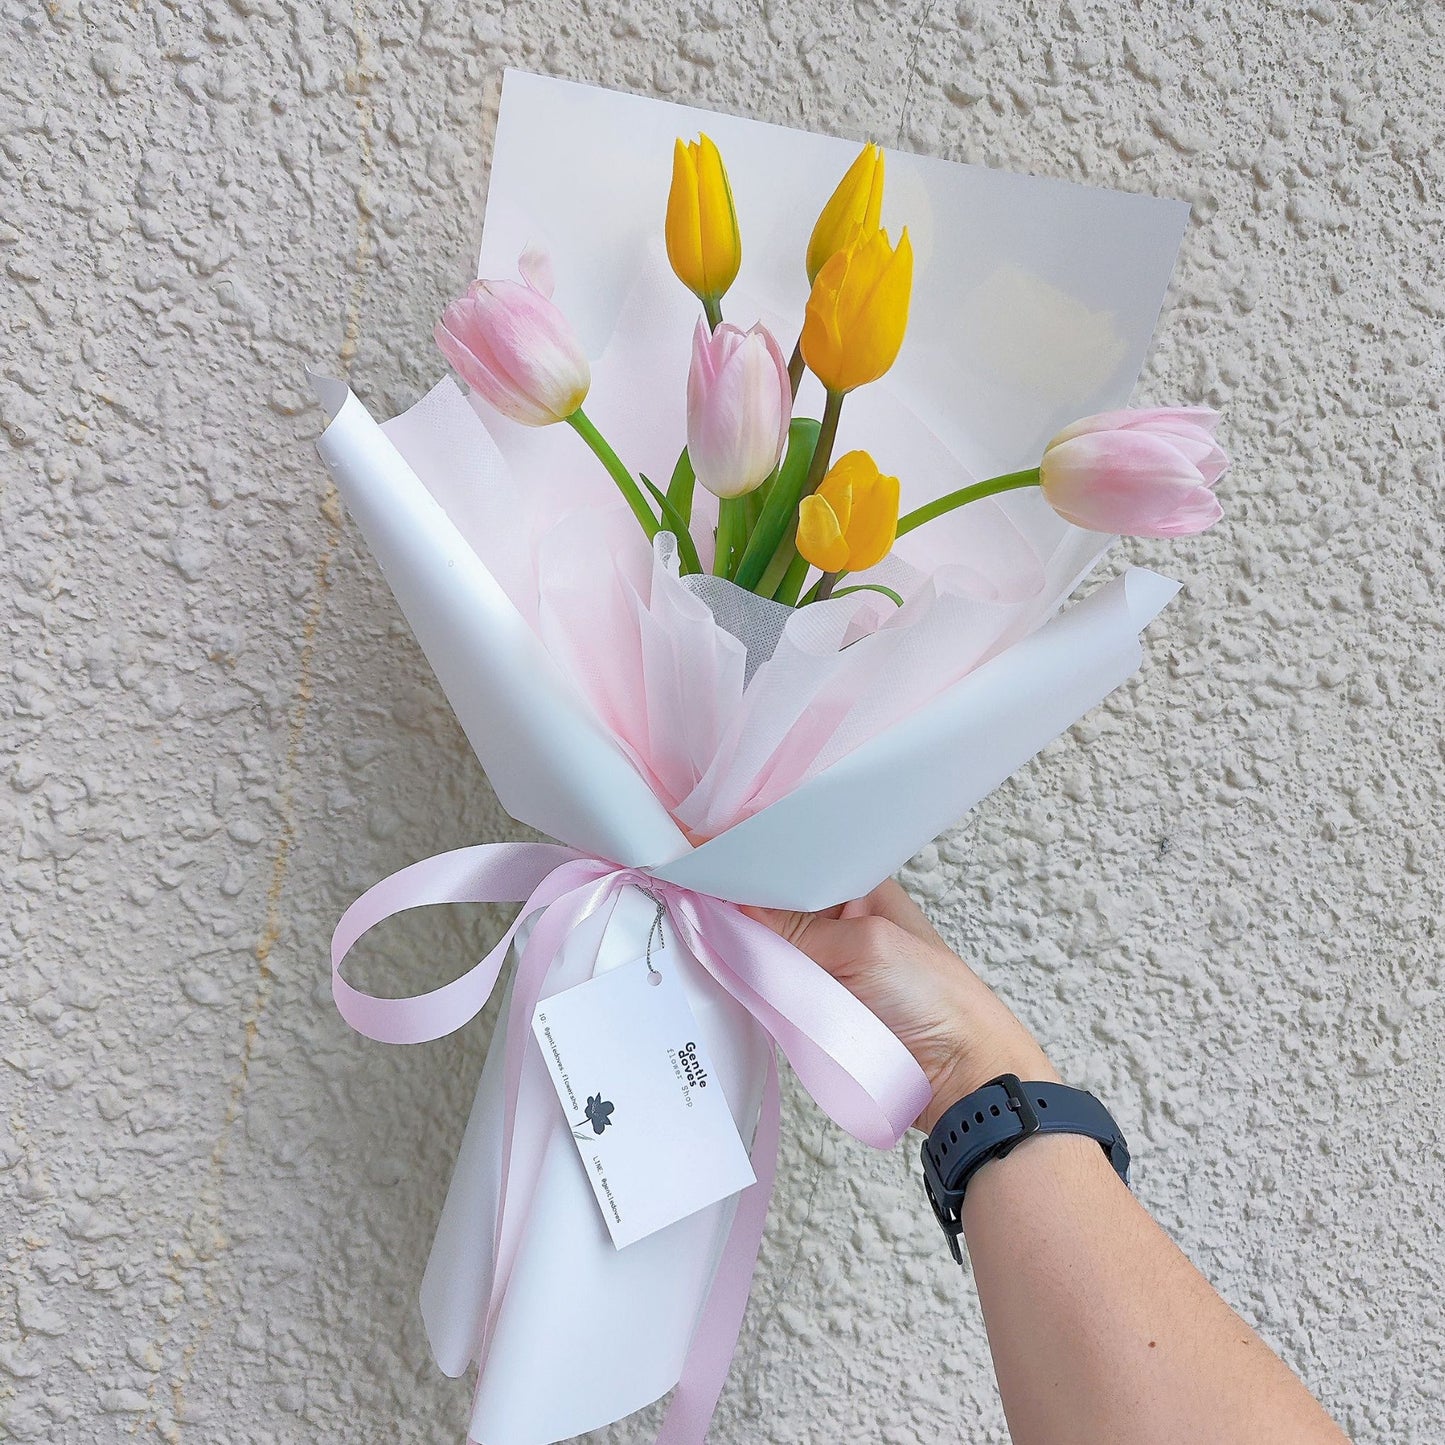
column 829, row 941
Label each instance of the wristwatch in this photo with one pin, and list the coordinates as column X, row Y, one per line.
column 994, row 1120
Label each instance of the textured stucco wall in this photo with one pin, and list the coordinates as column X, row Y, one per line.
column 1217, row 899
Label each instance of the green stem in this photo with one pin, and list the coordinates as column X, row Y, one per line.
column 680, row 488
column 582, row 425
column 773, row 575
column 753, row 504
column 827, row 435
column 776, row 517
column 731, row 520
column 1009, row 482
column 792, row 582
column 712, row 309
column 822, row 589
column 793, row 578
column 795, row 365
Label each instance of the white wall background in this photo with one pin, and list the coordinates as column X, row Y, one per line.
column 1217, row 899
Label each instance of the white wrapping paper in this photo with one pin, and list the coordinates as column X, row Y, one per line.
column 1034, row 303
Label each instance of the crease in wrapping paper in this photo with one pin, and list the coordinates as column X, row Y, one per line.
column 586, row 172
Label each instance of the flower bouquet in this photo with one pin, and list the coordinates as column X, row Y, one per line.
column 745, row 611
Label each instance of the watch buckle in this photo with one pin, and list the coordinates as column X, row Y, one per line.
column 1020, row 1103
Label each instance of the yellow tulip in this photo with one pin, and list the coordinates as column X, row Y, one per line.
column 858, row 201
column 858, row 311
column 703, row 243
column 850, row 522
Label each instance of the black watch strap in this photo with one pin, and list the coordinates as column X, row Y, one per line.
column 995, row 1119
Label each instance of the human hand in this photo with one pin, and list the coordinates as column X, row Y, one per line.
column 885, row 952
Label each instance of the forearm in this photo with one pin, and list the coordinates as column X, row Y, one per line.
column 1102, row 1332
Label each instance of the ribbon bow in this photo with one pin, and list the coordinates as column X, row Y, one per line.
column 853, row 1066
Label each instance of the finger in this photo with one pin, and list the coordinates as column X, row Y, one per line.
column 829, row 942
column 786, row 923
column 891, row 900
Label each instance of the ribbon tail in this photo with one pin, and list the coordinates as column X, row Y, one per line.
column 857, row 1070
column 489, row 873
column 690, row 1411
column 530, row 1109
column 854, row 1067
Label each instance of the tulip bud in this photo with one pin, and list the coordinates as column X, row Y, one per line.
column 515, row 348
column 858, row 311
column 1137, row 473
column 739, row 403
column 849, row 523
column 703, row 244
column 856, row 204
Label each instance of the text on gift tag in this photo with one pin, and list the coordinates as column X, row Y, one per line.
column 649, row 1119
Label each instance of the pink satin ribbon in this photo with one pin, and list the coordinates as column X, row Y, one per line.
column 852, row 1065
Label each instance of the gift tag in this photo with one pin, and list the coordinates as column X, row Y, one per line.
column 648, row 1116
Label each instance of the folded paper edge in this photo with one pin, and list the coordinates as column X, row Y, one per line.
column 550, row 763
column 921, row 776
column 552, row 767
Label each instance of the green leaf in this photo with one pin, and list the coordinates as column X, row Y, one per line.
column 782, row 503
column 888, row 592
column 680, row 488
column 687, row 550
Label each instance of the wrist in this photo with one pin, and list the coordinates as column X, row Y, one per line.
column 1046, row 1177
column 973, row 1064
column 988, row 1126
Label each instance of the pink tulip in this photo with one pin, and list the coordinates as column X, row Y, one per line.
column 1139, row 473
column 739, row 403
column 515, row 348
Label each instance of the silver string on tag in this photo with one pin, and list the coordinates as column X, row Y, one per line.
column 653, row 976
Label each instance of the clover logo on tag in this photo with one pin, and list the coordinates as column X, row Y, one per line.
column 598, row 1114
